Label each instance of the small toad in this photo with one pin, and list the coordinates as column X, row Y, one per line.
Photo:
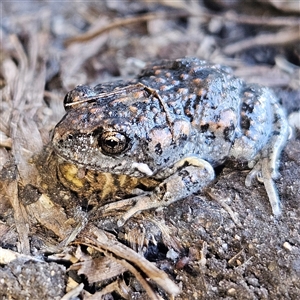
column 173, row 124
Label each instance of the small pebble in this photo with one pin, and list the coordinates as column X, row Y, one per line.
column 231, row 292
column 287, row 246
column 172, row 254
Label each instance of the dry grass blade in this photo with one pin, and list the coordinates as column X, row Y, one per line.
column 244, row 19
column 140, row 278
column 26, row 98
column 123, row 22
column 20, row 216
column 264, row 20
column 23, row 99
column 280, row 38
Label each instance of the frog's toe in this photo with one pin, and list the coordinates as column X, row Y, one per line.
column 249, row 178
column 265, row 175
column 254, row 173
column 142, row 202
column 273, row 196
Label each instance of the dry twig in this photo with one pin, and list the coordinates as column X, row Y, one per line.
column 270, row 21
column 278, row 38
column 122, row 22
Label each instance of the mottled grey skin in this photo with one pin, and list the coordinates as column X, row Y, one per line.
column 176, row 122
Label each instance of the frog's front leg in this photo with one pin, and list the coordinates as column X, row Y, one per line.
column 190, row 175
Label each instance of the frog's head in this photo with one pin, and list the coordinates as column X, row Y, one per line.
column 95, row 142
column 120, row 137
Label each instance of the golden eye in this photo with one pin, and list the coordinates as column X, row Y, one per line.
column 112, row 142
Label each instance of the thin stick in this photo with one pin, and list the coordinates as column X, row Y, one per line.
column 244, row 19
column 279, row 38
column 123, row 22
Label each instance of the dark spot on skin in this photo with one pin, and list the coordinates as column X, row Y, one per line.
column 158, row 149
column 210, row 136
column 189, row 114
column 247, row 107
column 166, row 160
column 202, row 74
column 228, row 131
column 217, row 118
column 177, row 65
column 162, row 188
column 204, row 128
column 186, row 178
column 245, row 123
column 204, row 97
column 183, row 173
column 185, row 164
column 86, row 117
column 183, row 137
column 276, row 118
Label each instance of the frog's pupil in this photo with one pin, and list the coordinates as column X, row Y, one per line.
column 111, row 143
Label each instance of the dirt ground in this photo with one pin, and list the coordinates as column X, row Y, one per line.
column 223, row 243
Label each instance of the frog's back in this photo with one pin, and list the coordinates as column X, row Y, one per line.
column 208, row 95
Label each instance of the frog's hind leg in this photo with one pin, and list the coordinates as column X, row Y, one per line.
column 266, row 168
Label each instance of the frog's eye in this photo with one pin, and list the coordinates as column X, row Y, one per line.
column 112, row 142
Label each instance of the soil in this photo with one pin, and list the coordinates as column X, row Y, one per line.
column 222, row 243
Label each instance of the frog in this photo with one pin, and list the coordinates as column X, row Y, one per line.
column 174, row 123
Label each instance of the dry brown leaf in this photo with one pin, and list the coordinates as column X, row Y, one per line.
column 50, row 215
column 98, row 269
